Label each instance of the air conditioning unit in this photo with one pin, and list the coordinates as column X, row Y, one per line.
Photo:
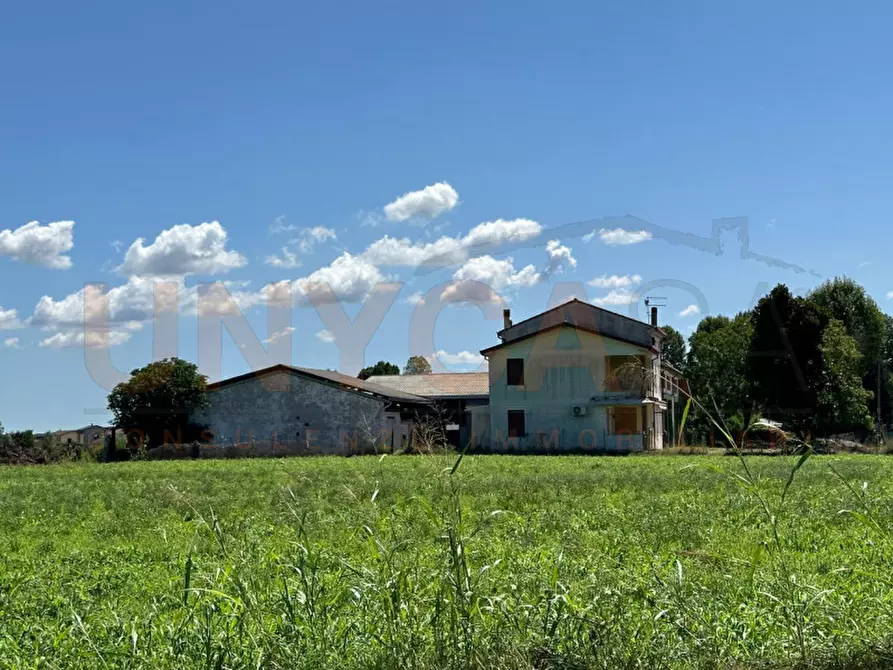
column 579, row 410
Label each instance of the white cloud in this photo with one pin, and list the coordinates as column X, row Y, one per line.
column 429, row 203
column 501, row 231
column 310, row 237
column 480, row 277
column 183, row 250
column 285, row 332
column 89, row 339
column 288, row 260
column 691, row 310
column 889, row 294
column 40, row 245
column 351, row 278
column 130, row 302
column 280, row 226
column 325, row 336
column 9, row 319
column 617, row 297
column 403, row 252
column 12, row 343
column 417, row 298
column 461, row 358
column 615, row 281
column 620, row 236
column 450, row 250
column 559, row 255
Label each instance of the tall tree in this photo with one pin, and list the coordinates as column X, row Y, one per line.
column 417, row 365
column 673, row 349
column 842, row 402
column 804, row 367
column 716, row 369
column 380, row 368
column 157, row 400
column 848, row 302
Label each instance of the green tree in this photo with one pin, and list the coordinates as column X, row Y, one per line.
column 842, row 402
column 380, row 368
column 848, row 302
column 785, row 362
column 417, row 365
column 716, row 369
column 157, row 400
column 673, row 349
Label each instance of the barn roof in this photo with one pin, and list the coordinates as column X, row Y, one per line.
column 345, row 382
column 438, row 384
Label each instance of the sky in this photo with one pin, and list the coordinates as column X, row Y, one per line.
column 332, row 184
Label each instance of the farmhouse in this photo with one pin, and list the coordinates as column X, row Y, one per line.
column 576, row 377
column 87, row 435
column 308, row 411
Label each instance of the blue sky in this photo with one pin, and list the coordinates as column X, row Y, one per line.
column 263, row 117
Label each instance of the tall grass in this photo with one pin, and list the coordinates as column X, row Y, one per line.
column 428, row 562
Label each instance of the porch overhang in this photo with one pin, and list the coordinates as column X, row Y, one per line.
column 627, row 402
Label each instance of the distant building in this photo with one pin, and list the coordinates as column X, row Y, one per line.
column 457, row 393
column 308, row 410
column 87, row 435
column 574, row 378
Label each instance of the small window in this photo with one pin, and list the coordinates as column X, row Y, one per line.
column 515, row 372
column 516, row 423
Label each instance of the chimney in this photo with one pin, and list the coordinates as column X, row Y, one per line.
column 506, row 318
column 654, row 316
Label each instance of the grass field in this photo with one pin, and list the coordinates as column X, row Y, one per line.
column 514, row 562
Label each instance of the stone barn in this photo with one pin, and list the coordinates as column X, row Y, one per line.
column 308, row 411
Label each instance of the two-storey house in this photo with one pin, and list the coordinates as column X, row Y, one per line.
column 574, row 378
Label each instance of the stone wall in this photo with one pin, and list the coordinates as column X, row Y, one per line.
column 290, row 408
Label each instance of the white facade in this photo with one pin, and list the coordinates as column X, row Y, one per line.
column 581, row 391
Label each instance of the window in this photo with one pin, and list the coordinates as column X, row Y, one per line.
column 516, row 423
column 624, row 373
column 515, row 372
column 626, row 420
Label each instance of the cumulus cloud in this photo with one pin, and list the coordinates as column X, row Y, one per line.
column 132, row 302
column 288, row 260
column 325, row 336
column 481, row 278
column 350, row 278
column 615, row 281
column 12, row 343
column 450, row 250
column 429, row 203
column 285, row 332
column 617, row 297
column 182, row 250
column 501, row 231
column 9, row 319
column 559, row 256
column 310, row 237
column 40, row 245
column 403, row 252
column 618, row 236
column 88, row 339
column 417, row 298
column 461, row 358
column 691, row 310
